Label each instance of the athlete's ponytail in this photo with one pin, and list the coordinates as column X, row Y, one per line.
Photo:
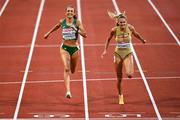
column 112, row 15
column 75, row 16
column 122, row 15
column 116, row 17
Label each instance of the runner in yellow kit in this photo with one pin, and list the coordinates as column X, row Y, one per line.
column 123, row 53
column 69, row 49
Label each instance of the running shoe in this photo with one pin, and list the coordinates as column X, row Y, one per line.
column 68, row 95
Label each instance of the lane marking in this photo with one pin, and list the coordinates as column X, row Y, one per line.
column 88, row 80
column 141, row 71
column 82, row 71
column 138, row 115
column 163, row 20
column 4, row 7
column 122, row 115
column 29, row 60
column 174, row 112
column 51, row 116
column 36, row 116
column 83, row 65
column 48, row 115
column 66, row 116
column 105, row 114
column 86, row 45
column 22, row 71
column 144, row 118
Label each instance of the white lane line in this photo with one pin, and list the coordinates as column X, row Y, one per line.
column 29, row 60
column 4, row 7
column 99, row 118
column 86, row 45
column 163, row 20
column 88, row 80
column 83, row 65
column 141, row 72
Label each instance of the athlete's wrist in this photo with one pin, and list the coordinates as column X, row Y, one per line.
column 143, row 40
column 74, row 28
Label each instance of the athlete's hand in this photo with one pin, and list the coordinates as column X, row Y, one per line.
column 102, row 55
column 73, row 27
column 144, row 41
column 46, row 35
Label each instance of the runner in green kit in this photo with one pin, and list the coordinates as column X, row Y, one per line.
column 69, row 49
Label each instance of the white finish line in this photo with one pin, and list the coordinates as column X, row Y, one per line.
column 86, row 45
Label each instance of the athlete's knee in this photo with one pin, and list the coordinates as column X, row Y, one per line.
column 72, row 71
column 73, row 68
column 67, row 70
column 119, row 80
column 119, row 75
column 129, row 75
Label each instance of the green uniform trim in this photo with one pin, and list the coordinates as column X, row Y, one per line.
column 69, row 49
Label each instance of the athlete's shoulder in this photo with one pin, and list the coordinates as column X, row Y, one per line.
column 61, row 20
column 131, row 27
column 77, row 21
column 114, row 29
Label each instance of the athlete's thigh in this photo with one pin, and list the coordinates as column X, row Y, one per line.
column 118, row 63
column 129, row 64
column 74, row 59
column 65, row 58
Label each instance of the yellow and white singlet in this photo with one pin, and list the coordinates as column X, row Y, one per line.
column 123, row 39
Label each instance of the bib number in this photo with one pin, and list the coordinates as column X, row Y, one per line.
column 123, row 45
column 69, row 34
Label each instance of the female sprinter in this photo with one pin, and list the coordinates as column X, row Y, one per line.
column 69, row 49
column 123, row 53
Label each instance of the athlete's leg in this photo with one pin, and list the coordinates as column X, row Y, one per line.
column 118, row 68
column 67, row 70
column 74, row 61
column 129, row 65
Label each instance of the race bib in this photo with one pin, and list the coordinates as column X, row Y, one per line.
column 68, row 34
column 123, row 45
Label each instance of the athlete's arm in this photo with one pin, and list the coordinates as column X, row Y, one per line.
column 136, row 34
column 81, row 29
column 108, row 41
column 53, row 29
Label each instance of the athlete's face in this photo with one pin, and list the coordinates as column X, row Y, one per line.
column 122, row 22
column 70, row 12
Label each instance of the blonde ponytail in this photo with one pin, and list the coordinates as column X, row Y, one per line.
column 112, row 15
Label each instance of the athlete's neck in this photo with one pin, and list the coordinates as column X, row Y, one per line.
column 122, row 29
column 69, row 20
